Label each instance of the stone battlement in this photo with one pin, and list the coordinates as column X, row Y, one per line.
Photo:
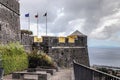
column 66, row 49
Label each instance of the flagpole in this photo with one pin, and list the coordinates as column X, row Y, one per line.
column 28, row 16
column 37, row 27
column 29, row 23
column 46, row 24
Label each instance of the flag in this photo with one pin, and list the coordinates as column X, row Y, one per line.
column 27, row 15
column 45, row 14
column 36, row 16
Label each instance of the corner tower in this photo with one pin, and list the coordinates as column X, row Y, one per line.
column 73, row 47
column 80, row 50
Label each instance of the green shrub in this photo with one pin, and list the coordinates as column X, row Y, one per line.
column 40, row 59
column 14, row 57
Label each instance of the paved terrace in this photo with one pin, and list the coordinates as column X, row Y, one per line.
column 63, row 74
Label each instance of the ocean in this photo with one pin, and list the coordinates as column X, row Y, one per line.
column 104, row 56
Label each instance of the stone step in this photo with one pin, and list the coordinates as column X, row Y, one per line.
column 45, row 67
column 31, row 75
column 37, row 77
column 51, row 71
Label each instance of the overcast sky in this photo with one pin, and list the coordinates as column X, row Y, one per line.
column 98, row 19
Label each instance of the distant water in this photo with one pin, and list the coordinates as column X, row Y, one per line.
column 104, row 56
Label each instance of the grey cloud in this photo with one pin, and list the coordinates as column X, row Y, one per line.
column 92, row 11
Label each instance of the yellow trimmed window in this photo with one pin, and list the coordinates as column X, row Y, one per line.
column 71, row 39
column 36, row 39
column 40, row 40
column 61, row 39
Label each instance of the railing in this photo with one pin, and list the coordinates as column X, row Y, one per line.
column 82, row 72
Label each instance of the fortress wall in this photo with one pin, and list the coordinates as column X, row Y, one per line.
column 64, row 53
column 11, row 4
column 9, row 21
column 27, row 41
column 65, row 57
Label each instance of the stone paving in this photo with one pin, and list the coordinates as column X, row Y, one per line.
column 63, row 74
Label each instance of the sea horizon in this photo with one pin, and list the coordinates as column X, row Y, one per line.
column 109, row 56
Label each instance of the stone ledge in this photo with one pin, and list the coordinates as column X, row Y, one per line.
column 20, row 75
column 51, row 71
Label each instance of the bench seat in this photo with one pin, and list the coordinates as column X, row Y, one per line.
column 20, row 75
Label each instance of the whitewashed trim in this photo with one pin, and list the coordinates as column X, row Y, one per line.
column 66, row 47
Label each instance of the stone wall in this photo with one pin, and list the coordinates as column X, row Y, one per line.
column 10, row 25
column 9, row 21
column 27, row 42
column 65, row 57
column 65, row 53
column 12, row 5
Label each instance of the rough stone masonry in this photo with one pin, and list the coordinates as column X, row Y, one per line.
column 65, row 52
column 10, row 25
column 9, row 21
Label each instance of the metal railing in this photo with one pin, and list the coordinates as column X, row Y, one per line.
column 82, row 72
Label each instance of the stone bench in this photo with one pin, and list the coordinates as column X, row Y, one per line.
column 51, row 71
column 45, row 67
column 20, row 75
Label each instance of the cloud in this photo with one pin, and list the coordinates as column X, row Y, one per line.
column 107, row 27
column 99, row 19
